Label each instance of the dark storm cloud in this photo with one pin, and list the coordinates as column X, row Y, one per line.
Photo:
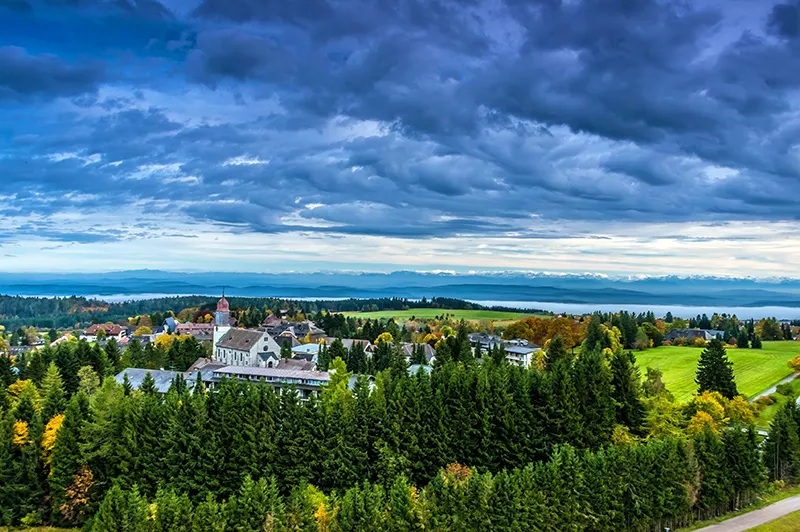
column 25, row 75
column 411, row 118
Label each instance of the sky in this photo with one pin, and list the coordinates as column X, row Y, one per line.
column 622, row 137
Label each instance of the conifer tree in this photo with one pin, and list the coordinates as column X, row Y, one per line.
column 595, row 402
column 557, row 352
column 53, row 393
column 286, row 350
column 357, row 358
column 113, row 355
column 756, row 342
column 257, row 506
column 742, row 340
column 209, row 516
column 744, row 465
column 35, row 369
column 121, row 511
column 715, row 371
column 88, row 380
column 68, row 367
column 782, row 447
column 173, row 512
column 323, row 358
column 627, row 390
column 67, row 458
column 715, row 486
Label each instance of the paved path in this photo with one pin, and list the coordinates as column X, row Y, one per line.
column 757, row 517
column 772, row 390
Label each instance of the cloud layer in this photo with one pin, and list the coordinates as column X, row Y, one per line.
column 496, row 123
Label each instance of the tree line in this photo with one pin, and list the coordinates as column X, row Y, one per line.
column 576, row 443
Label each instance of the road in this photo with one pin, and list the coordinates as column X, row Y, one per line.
column 757, row 517
column 774, row 388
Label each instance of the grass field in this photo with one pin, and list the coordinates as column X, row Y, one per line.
column 430, row 313
column 755, row 369
column 787, row 523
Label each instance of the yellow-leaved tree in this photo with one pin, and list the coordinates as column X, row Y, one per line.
column 21, row 434
column 384, row 337
column 50, row 435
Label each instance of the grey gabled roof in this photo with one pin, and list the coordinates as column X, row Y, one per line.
column 240, row 339
column 136, row 377
column 274, row 372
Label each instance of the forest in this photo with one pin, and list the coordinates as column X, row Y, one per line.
column 580, row 443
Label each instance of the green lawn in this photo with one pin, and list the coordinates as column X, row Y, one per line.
column 755, row 369
column 430, row 313
column 788, row 523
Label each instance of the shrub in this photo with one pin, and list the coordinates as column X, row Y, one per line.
column 785, row 389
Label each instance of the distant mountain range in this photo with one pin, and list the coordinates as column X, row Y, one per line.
column 496, row 286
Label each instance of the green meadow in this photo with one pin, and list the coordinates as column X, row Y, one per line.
column 431, row 313
column 755, row 370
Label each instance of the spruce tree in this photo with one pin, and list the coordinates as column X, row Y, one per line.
column 257, row 506
column 68, row 367
column 173, row 512
column 113, row 354
column 53, row 393
column 121, row 511
column 782, row 447
column 286, row 350
column 556, row 352
column 592, row 379
column 627, row 393
column 715, row 371
column 35, row 369
column 209, row 516
column 742, row 341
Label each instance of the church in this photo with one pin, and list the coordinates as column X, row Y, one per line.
column 241, row 347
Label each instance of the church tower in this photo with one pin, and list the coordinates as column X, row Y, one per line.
column 222, row 323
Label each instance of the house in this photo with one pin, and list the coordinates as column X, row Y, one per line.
column 484, row 340
column 170, row 324
column 307, row 383
column 245, row 347
column 289, row 339
column 297, row 329
column 111, row 331
column 519, row 355
column 308, row 352
column 413, row 369
column 163, row 379
column 202, row 332
column 691, row 335
column 369, row 347
column 408, row 351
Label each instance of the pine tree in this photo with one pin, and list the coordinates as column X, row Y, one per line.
column 627, row 390
column 592, row 380
column 715, row 486
column 782, row 447
column 173, row 512
column 556, row 352
column 35, row 369
column 68, row 367
column 744, row 465
column 113, row 354
column 121, row 511
column 323, row 358
column 742, row 341
column 715, row 371
column 209, row 516
column 286, row 350
column 67, row 458
column 53, row 393
column 756, row 342
column 257, row 506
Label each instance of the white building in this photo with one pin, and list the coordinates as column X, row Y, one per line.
column 245, row 347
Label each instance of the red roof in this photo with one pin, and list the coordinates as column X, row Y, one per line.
column 111, row 330
column 223, row 305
